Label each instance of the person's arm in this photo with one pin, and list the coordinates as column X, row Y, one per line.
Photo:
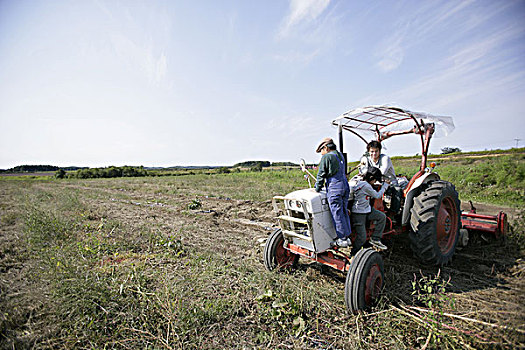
column 327, row 167
column 369, row 190
column 384, row 163
column 387, row 169
column 363, row 165
column 321, row 174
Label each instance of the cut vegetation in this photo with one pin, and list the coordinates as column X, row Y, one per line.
column 136, row 263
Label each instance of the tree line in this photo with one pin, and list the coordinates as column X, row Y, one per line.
column 262, row 163
column 112, row 171
column 38, row 168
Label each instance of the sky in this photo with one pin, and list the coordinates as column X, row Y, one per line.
column 162, row 83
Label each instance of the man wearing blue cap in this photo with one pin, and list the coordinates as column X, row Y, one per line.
column 332, row 171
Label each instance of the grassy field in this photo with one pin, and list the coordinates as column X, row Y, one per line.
column 175, row 262
column 496, row 177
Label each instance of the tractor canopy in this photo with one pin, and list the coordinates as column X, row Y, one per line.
column 387, row 121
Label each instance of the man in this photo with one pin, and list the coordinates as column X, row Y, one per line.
column 379, row 160
column 383, row 162
column 332, row 171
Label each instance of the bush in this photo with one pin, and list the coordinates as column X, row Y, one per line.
column 256, row 167
column 60, row 174
column 252, row 163
column 125, row 171
column 223, row 170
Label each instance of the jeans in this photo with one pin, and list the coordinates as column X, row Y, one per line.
column 338, row 201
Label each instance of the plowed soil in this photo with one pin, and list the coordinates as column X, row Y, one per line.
column 486, row 277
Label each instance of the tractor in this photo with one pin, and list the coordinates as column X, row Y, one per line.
column 429, row 212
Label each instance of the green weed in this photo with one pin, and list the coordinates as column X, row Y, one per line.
column 97, row 271
column 195, row 204
column 430, row 292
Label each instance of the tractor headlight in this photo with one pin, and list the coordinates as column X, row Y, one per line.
column 293, row 204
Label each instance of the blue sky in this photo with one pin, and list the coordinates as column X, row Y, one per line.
column 161, row 83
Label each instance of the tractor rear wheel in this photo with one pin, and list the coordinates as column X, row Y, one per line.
column 435, row 221
column 275, row 255
column 364, row 281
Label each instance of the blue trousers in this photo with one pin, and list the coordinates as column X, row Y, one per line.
column 338, row 201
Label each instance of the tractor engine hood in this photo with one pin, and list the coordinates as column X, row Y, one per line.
column 316, row 202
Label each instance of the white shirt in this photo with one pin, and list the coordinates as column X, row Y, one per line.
column 384, row 164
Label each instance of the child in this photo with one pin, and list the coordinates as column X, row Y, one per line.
column 362, row 211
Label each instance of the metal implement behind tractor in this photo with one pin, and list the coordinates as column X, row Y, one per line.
column 429, row 211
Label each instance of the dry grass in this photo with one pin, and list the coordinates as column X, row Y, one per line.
column 123, row 263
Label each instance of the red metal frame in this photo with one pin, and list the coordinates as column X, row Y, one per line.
column 425, row 143
column 495, row 224
column 338, row 261
column 380, row 117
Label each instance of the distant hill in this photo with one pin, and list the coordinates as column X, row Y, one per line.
column 251, row 163
column 38, row 168
column 181, row 167
column 31, row 168
column 284, row 164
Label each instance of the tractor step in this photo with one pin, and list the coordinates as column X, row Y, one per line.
column 301, row 236
column 293, row 219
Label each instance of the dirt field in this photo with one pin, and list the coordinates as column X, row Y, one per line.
column 304, row 309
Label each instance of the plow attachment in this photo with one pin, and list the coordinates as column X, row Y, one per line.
column 494, row 224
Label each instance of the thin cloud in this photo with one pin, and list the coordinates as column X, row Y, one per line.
column 138, row 53
column 392, row 52
column 310, row 31
column 412, row 30
column 417, row 27
column 302, row 11
column 473, row 70
column 437, row 16
column 297, row 57
column 488, row 46
column 155, row 67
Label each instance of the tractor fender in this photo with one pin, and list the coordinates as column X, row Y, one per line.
column 414, row 191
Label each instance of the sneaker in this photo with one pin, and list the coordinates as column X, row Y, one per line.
column 378, row 244
column 343, row 243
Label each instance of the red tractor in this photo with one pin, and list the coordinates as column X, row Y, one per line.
column 429, row 211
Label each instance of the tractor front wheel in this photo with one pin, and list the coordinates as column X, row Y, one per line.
column 364, row 281
column 275, row 255
column 435, row 221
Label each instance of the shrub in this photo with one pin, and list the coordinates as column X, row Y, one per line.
column 60, row 174
column 223, row 170
column 112, row 171
column 195, row 204
column 256, row 167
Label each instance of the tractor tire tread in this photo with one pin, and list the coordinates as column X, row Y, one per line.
column 269, row 251
column 355, row 285
column 423, row 222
